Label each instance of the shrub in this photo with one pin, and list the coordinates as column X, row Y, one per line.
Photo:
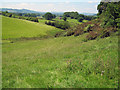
column 88, row 28
column 45, row 22
column 80, row 19
column 70, row 33
column 8, row 14
column 32, row 19
column 52, row 24
column 13, row 16
column 64, row 18
column 58, row 24
column 92, row 35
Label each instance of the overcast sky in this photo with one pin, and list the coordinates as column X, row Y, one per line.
column 81, row 6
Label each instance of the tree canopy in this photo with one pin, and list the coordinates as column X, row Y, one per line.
column 48, row 16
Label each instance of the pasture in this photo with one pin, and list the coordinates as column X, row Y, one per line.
column 16, row 28
column 64, row 62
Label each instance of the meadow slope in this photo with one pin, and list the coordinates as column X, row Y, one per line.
column 16, row 28
column 64, row 62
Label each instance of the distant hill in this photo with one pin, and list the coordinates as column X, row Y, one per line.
column 91, row 14
column 19, row 10
column 32, row 11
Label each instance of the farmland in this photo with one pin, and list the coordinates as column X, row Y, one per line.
column 77, row 51
column 60, row 62
column 22, row 28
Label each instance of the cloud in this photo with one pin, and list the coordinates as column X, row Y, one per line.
column 67, row 2
column 91, row 1
column 54, row 7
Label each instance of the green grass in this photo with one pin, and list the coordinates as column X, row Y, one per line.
column 64, row 62
column 17, row 28
column 72, row 22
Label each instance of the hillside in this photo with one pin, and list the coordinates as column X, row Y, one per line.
column 17, row 28
column 64, row 62
column 82, row 56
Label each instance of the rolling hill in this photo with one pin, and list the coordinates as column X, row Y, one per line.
column 17, row 28
column 63, row 62
column 18, row 10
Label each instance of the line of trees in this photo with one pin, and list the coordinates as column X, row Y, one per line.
column 59, row 24
column 31, row 17
column 79, row 17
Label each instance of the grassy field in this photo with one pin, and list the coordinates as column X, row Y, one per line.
column 16, row 28
column 64, row 62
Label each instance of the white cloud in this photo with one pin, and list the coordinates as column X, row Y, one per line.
column 54, row 7
column 67, row 2
column 91, row 1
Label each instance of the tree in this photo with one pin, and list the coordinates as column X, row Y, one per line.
column 80, row 19
column 48, row 16
column 64, row 18
column 20, row 14
column 6, row 11
column 54, row 16
column 10, row 15
column 111, row 13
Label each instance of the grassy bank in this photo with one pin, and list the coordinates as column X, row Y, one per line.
column 64, row 62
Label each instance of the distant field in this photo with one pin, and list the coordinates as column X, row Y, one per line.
column 17, row 28
column 71, row 21
column 64, row 62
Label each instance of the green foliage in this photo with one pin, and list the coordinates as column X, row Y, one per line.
column 73, row 15
column 54, row 16
column 9, row 15
column 110, row 12
column 63, row 62
column 92, row 35
column 13, row 16
column 118, row 22
column 76, row 15
column 19, row 14
column 88, row 28
column 64, row 18
column 48, row 16
column 101, row 7
column 59, row 24
column 80, row 19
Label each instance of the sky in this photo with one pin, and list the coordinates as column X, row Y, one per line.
column 81, row 6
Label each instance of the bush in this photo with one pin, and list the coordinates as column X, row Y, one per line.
column 9, row 15
column 64, row 18
column 80, row 19
column 70, row 33
column 20, row 17
column 32, row 19
column 88, row 28
column 52, row 24
column 92, row 35
column 58, row 24
column 61, row 25
column 13, row 16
